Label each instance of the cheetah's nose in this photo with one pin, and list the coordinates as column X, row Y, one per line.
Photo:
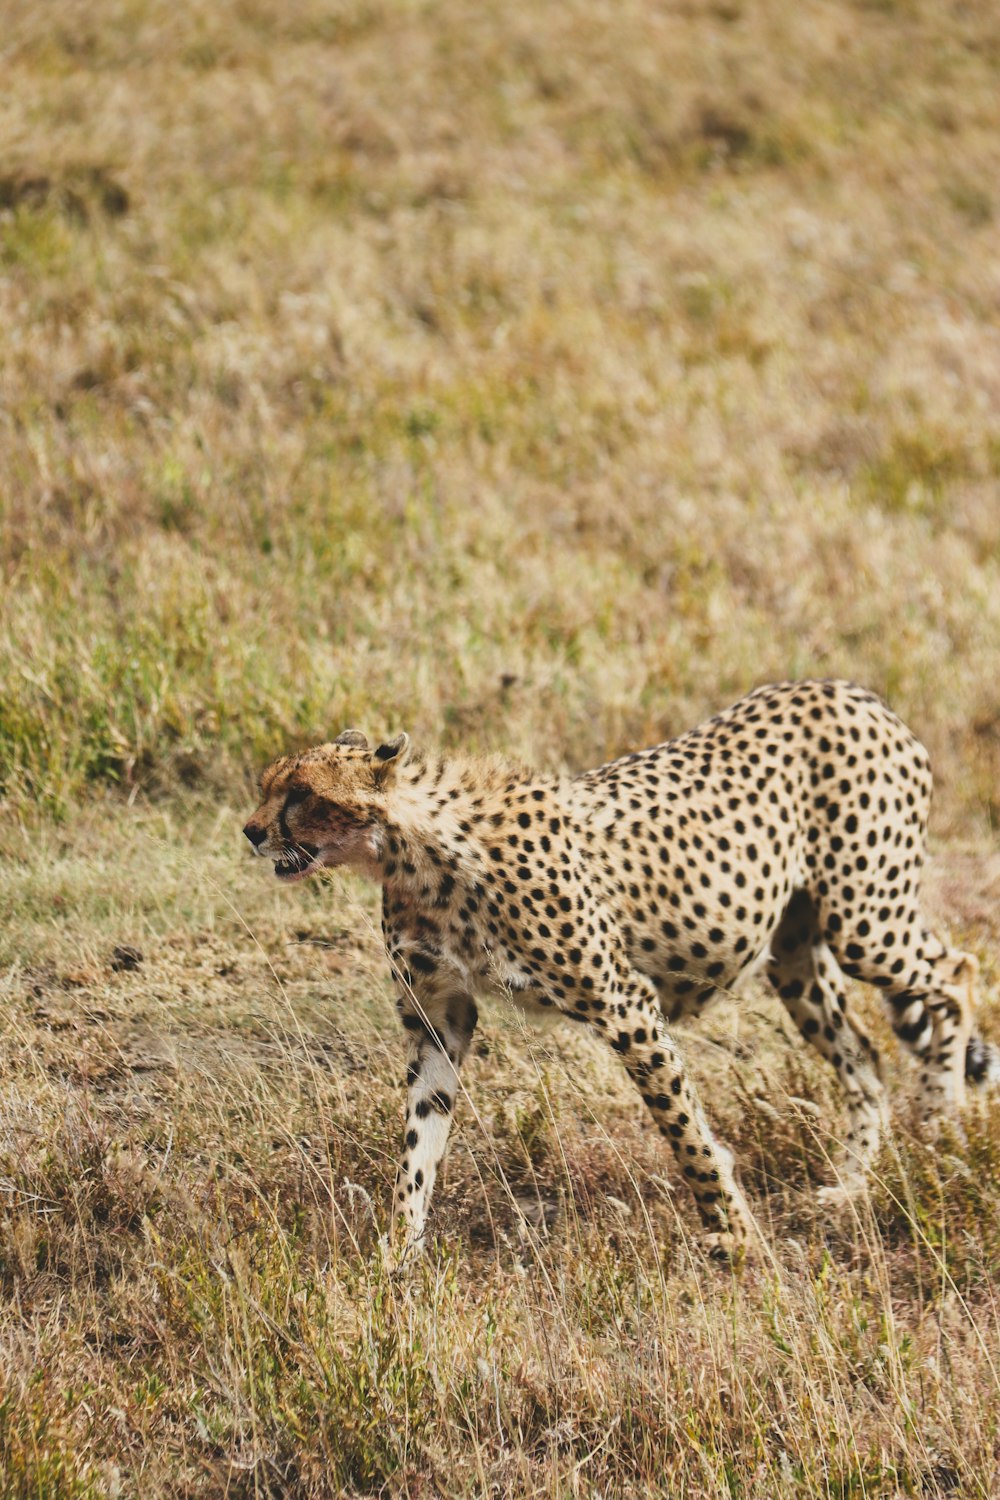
column 255, row 835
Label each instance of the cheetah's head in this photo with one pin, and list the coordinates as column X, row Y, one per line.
column 322, row 807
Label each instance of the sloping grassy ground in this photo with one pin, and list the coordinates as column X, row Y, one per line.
column 534, row 378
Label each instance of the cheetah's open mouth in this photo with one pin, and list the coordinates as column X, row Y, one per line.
column 296, row 862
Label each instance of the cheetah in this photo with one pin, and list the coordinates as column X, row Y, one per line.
column 788, row 831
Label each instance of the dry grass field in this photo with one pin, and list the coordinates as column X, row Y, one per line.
column 536, row 378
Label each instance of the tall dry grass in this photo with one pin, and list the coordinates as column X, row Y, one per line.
column 627, row 358
column 530, row 377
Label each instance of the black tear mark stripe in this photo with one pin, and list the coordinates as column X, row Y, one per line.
column 283, row 828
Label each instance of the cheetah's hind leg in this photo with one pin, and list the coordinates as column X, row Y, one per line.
column 806, row 977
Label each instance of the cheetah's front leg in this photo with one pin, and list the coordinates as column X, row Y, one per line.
column 440, row 1018
column 635, row 1029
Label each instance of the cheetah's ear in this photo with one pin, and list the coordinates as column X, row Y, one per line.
column 353, row 738
column 388, row 758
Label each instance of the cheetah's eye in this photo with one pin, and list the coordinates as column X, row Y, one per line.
column 296, row 795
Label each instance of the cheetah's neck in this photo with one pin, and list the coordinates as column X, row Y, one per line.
column 438, row 818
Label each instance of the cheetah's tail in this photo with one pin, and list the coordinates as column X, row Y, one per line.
column 982, row 1063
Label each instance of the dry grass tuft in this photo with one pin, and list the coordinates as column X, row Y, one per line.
column 537, row 379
